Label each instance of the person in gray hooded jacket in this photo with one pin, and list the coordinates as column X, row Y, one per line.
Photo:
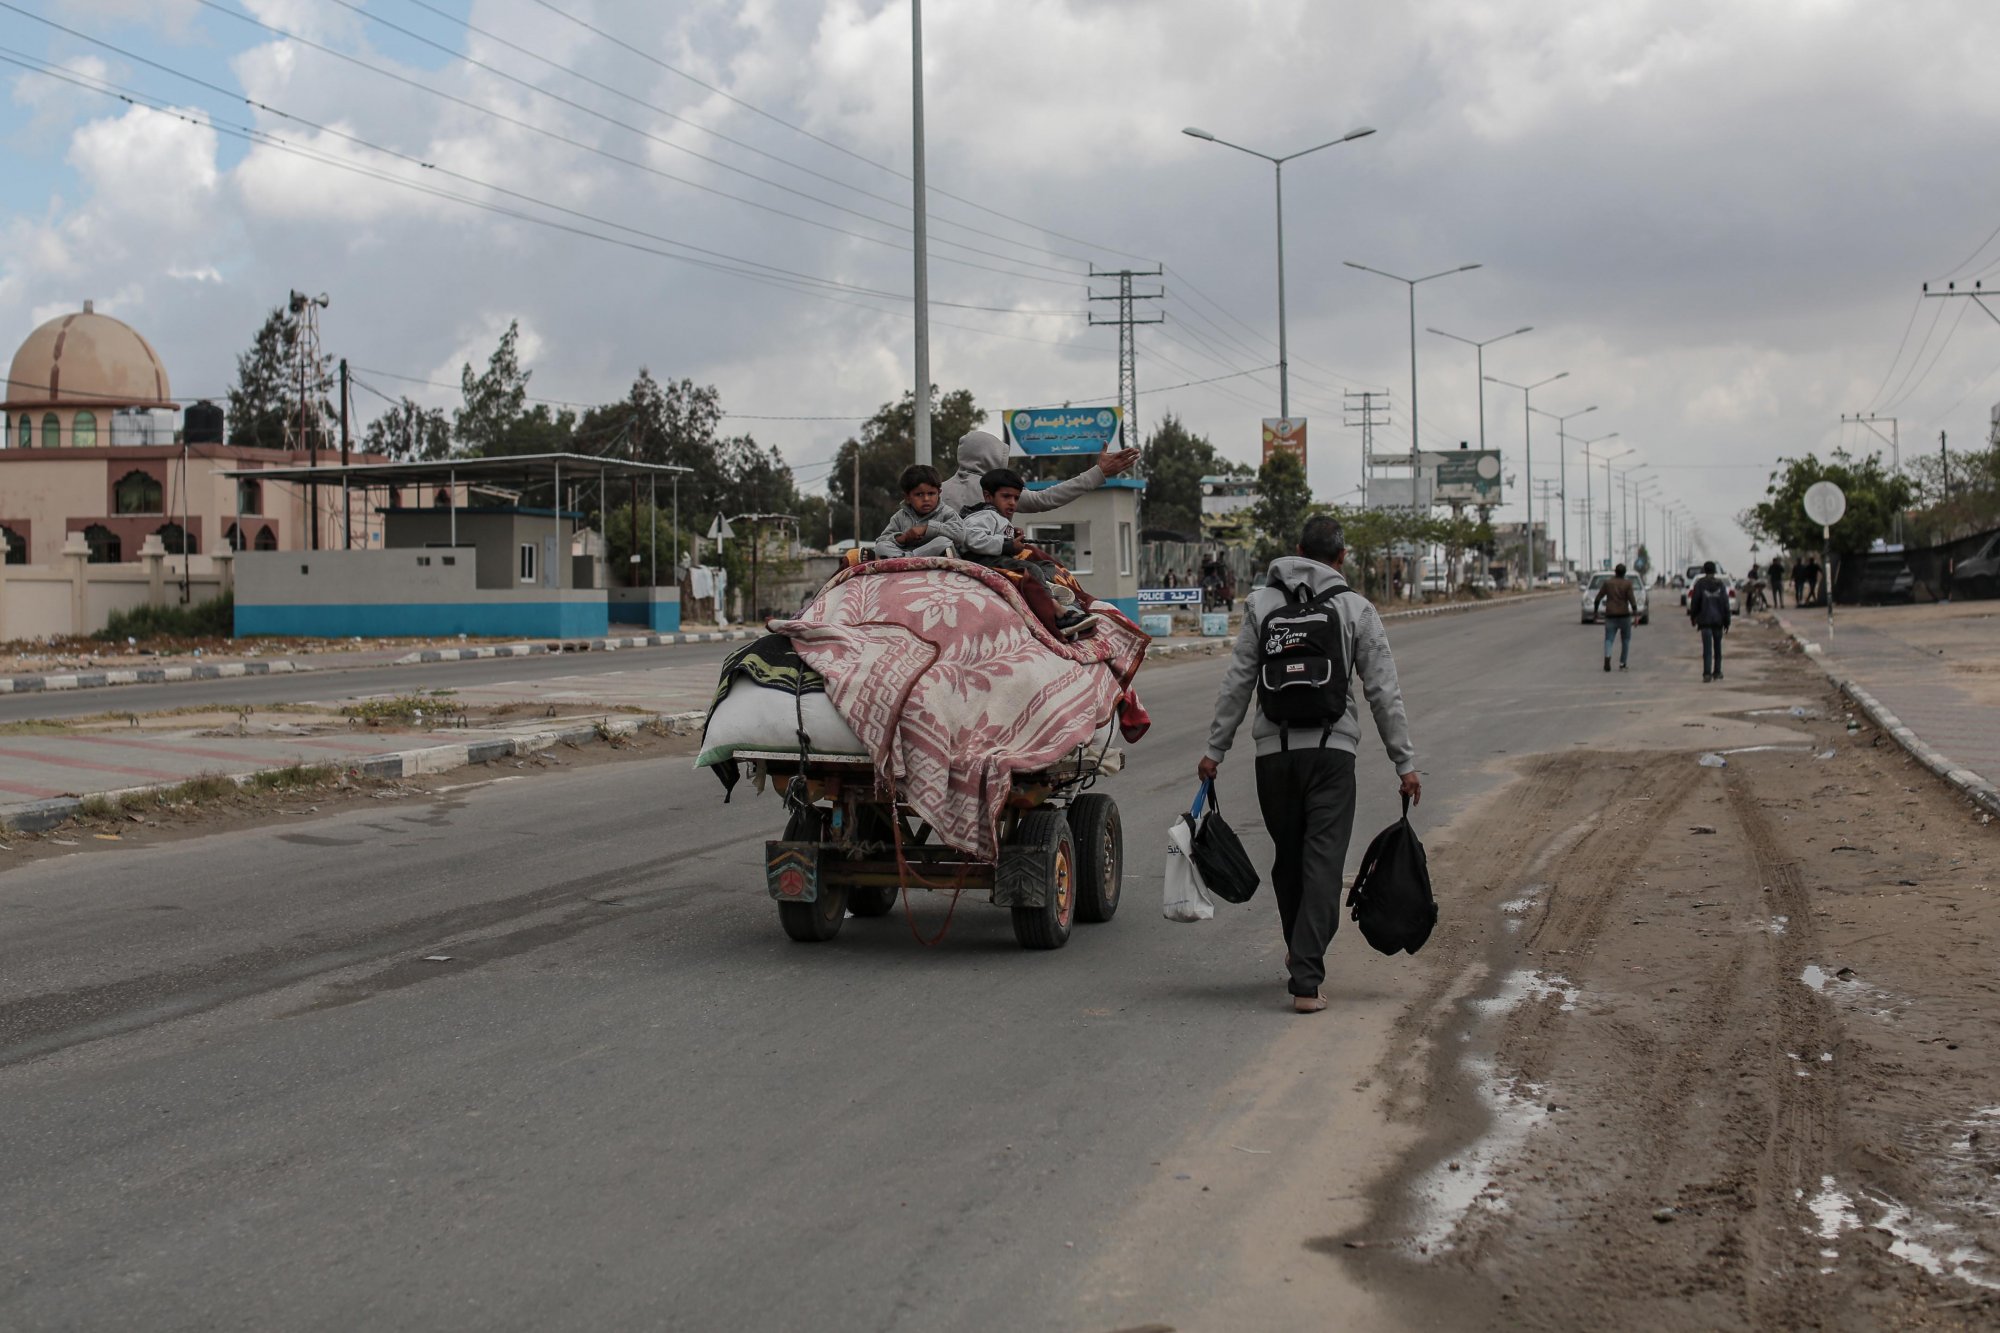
column 979, row 452
column 1305, row 775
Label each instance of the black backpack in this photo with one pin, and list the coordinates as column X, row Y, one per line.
column 1391, row 899
column 1225, row 868
column 1302, row 659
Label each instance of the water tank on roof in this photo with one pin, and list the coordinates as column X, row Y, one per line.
column 203, row 423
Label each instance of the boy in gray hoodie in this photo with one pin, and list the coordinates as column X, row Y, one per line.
column 923, row 524
column 1305, row 774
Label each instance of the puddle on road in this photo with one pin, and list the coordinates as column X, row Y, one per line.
column 1850, row 992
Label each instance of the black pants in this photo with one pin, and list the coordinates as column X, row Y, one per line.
column 1307, row 797
column 1711, row 649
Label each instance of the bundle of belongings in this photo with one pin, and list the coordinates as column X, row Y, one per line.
column 938, row 672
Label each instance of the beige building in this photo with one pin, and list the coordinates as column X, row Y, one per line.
column 94, row 447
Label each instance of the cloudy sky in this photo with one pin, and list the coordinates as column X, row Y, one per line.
column 1716, row 214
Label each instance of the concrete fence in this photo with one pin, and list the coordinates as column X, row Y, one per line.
column 77, row 598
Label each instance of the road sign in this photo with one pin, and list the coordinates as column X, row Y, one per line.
column 1169, row 597
column 719, row 531
column 1471, row 476
column 1825, row 503
column 1062, row 430
column 1287, row 434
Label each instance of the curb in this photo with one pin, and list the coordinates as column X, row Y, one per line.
column 573, row 646
column 1971, row 784
column 40, row 816
column 93, row 680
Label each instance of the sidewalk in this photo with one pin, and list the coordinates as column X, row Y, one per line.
column 1929, row 674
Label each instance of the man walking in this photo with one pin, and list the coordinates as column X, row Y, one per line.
column 1306, row 634
column 1620, row 601
column 1775, row 571
column 1708, row 611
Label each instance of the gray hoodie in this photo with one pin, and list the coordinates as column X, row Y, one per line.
column 979, row 452
column 1368, row 656
column 945, row 535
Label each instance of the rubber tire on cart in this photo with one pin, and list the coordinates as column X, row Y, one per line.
column 872, row 899
column 814, row 922
column 1100, row 855
column 1048, row 926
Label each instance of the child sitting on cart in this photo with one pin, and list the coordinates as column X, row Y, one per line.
column 924, row 525
column 990, row 538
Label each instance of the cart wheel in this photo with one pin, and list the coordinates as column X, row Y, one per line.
column 1100, row 855
column 872, row 900
column 817, row 921
column 1048, row 927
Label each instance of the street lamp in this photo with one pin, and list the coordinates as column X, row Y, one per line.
column 1589, row 553
column 1416, row 470
column 1480, row 349
column 1625, row 501
column 1562, row 470
column 1528, row 439
column 1278, row 168
column 1610, row 548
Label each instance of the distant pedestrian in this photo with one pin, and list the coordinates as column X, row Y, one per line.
column 1708, row 611
column 1620, row 602
column 1814, row 593
column 1306, row 735
column 1800, row 573
column 1775, row 572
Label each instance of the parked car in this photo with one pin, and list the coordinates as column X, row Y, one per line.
column 1885, row 578
column 1594, row 614
column 1979, row 575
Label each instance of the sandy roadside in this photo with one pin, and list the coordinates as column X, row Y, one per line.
column 1703, row 1050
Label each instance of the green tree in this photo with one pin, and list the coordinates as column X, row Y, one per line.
column 886, row 445
column 1284, row 501
column 265, row 395
column 1957, row 493
column 409, row 432
column 1174, row 460
column 1874, row 496
column 494, row 398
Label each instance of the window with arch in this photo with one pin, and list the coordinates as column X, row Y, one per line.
column 105, row 548
column 15, row 544
column 177, row 539
column 267, row 540
column 232, row 538
column 27, row 431
column 138, row 493
column 249, row 496
column 83, row 430
column 51, row 431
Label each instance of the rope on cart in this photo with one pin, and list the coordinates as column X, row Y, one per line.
column 906, row 875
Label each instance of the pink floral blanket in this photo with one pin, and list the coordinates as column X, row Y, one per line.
column 954, row 685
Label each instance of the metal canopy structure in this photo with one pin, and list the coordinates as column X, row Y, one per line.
column 521, row 470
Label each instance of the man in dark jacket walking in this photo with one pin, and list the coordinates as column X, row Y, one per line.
column 1305, row 774
column 1708, row 611
column 1776, row 572
column 1620, row 601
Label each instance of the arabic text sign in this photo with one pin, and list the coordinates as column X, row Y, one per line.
column 1169, row 597
column 1468, row 475
column 1286, row 433
column 1062, row 430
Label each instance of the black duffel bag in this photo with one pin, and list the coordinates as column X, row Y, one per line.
column 1219, row 857
column 1391, row 899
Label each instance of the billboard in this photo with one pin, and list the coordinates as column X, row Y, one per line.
column 1287, row 433
column 1062, row 430
column 1396, row 493
column 1468, row 476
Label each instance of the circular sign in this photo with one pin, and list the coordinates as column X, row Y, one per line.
column 1825, row 503
column 1488, row 466
column 1022, row 421
column 1104, row 419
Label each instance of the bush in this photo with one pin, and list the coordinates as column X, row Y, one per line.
column 214, row 619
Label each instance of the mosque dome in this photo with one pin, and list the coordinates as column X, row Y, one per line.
column 84, row 360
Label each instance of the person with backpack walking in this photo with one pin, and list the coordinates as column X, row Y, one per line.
column 1708, row 611
column 1306, row 636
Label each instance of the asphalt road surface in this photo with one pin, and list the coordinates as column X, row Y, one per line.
column 346, row 683
column 236, row 1092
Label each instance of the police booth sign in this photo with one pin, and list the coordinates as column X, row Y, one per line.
column 1158, row 597
column 1042, row 431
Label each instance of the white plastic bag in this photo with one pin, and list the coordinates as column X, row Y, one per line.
column 1186, row 900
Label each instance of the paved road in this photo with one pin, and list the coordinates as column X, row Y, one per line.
column 346, row 683
column 237, row 1096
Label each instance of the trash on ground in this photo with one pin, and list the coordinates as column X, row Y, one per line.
column 1713, row 761
column 437, row 958
column 1701, row 828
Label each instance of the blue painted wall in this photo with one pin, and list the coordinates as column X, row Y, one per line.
column 550, row 620
column 660, row 617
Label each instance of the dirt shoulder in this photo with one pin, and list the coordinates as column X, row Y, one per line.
column 1714, row 1050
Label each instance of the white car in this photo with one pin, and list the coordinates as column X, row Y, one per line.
column 1694, row 572
column 1594, row 614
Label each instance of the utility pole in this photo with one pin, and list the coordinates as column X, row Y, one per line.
column 1128, row 378
column 1362, row 408
column 304, row 427
column 922, row 402
column 857, row 495
column 346, row 509
column 632, row 451
column 1894, row 441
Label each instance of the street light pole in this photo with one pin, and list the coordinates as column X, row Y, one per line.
column 1589, row 552
column 1278, row 165
column 1562, row 470
column 922, row 401
column 1416, row 469
column 1528, row 440
column 1479, row 349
